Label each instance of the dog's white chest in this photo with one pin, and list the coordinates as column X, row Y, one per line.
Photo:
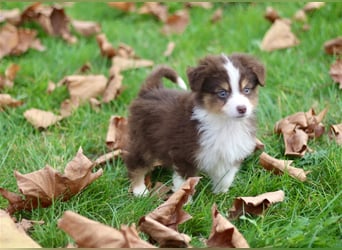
column 223, row 143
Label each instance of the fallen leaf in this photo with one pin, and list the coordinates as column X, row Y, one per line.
column 160, row 190
column 333, row 46
column 92, row 234
column 85, row 87
column 41, row 119
column 51, row 87
column 223, row 233
column 85, row 68
column 259, row 145
column 298, row 128
column 95, row 104
column 271, row 14
column 106, row 47
column 130, row 63
column 163, row 235
column 12, row 16
column 300, row 16
column 159, row 10
column 107, row 157
column 279, row 36
column 68, row 106
column 176, row 23
column 162, row 223
column 124, row 6
column 336, row 132
column 311, row 6
column 45, row 185
column 114, row 87
column 204, row 5
column 280, row 166
column 217, row 16
column 169, row 49
column 11, row 236
column 86, row 28
column 117, row 135
column 125, row 51
column 255, row 204
column 336, row 72
column 7, row 101
column 51, row 18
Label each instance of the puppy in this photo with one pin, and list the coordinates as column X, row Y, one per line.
column 210, row 128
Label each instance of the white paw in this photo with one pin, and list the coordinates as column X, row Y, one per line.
column 139, row 191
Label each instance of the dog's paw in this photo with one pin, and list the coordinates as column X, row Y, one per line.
column 140, row 191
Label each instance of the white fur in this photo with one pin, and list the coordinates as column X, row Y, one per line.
column 224, row 143
column 181, row 83
column 140, row 189
column 236, row 99
column 177, row 181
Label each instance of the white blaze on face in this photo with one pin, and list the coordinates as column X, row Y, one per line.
column 237, row 105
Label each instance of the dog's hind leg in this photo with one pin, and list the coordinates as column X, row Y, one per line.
column 137, row 177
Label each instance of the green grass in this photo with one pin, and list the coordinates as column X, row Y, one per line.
column 297, row 78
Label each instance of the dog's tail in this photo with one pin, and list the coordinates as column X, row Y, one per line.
column 154, row 80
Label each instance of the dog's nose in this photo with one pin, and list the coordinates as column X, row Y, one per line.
column 241, row 109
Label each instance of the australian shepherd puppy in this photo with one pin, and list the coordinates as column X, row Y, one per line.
column 210, row 128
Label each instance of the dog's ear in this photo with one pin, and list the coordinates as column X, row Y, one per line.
column 195, row 77
column 254, row 65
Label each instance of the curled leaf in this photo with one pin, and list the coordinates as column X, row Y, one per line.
column 159, row 10
column 255, row 204
column 107, row 157
column 336, row 72
column 176, row 23
column 271, row 14
column 223, row 233
column 130, row 63
column 86, row 28
column 333, row 46
column 117, row 135
column 106, row 47
column 7, row 101
column 92, row 234
column 282, row 166
column 336, row 132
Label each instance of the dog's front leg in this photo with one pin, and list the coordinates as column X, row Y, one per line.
column 222, row 181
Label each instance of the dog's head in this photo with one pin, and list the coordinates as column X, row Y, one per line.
column 227, row 85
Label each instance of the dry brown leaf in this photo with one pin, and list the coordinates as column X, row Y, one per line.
column 169, row 48
column 336, row 132
column 160, row 190
column 223, row 233
column 11, row 236
column 117, row 134
column 336, row 72
column 125, row 51
column 296, row 142
column 7, row 101
column 95, row 104
column 106, row 47
column 12, row 16
column 92, row 234
column 279, row 36
column 45, row 185
column 124, row 6
column 163, row 235
column 311, row 6
column 162, row 223
column 159, row 10
column 86, row 28
column 333, row 46
column 259, row 145
column 85, row 87
column 85, row 68
column 271, row 14
column 11, row 71
column 176, row 23
column 107, row 157
column 204, row 5
column 255, row 204
column 280, row 166
column 300, row 16
column 114, row 87
column 51, row 87
column 130, row 63
column 41, row 119
column 68, row 106
column 217, row 15
column 51, row 18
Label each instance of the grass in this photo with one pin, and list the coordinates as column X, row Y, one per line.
column 297, row 79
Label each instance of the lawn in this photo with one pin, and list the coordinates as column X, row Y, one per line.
column 297, row 79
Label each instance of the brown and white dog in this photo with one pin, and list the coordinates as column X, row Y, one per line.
column 210, row 129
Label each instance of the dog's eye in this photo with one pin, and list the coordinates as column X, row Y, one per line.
column 223, row 94
column 246, row 91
